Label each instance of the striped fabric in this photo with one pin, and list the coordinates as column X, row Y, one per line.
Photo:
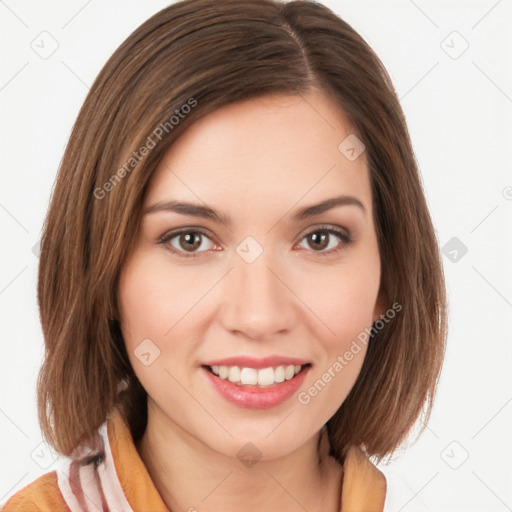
column 108, row 474
column 89, row 477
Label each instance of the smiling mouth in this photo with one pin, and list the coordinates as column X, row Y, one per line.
column 256, row 377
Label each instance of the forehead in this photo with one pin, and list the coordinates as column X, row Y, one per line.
column 282, row 149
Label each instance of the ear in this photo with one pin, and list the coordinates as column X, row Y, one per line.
column 381, row 305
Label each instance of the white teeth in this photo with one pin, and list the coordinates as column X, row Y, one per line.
column 251, row 376
column 279, row 374
column 289, row 372
column 248, row 376
column 266, row 376
column 234, row 374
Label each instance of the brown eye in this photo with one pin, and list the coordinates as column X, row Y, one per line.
column 186, row 242
column 323, row 240
column 189, row 241
column 318, row 239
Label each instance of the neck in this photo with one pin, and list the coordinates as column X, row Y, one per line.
column 191, row 476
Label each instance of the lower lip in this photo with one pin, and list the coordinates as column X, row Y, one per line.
column 254, row 397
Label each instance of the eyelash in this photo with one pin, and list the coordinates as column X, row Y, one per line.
column 346, row 240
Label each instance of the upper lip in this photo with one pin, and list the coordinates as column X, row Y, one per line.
column 252, row 362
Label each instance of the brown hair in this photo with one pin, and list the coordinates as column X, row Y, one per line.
column 206, row 54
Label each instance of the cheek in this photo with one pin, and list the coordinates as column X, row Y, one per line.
column 161, row 309
column 343, row 300
column 327, row 389
column 346, row 313
column 152, row 302
column 152, row 298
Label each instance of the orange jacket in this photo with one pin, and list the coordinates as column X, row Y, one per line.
column 108, row 474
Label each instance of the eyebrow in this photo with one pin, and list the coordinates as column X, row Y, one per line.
column 198, row 210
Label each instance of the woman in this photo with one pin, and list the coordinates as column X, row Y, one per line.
column 240, row 286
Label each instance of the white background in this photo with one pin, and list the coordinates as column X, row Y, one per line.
column 459, row 112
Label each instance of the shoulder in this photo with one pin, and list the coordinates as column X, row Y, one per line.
column 41, row 495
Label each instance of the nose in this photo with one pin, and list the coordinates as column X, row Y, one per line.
column 258, row 302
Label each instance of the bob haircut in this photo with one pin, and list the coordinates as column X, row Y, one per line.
column 183, row 63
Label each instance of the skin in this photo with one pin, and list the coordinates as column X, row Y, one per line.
column 257, row 161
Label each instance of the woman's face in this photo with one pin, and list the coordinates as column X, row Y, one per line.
column 268, row 283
